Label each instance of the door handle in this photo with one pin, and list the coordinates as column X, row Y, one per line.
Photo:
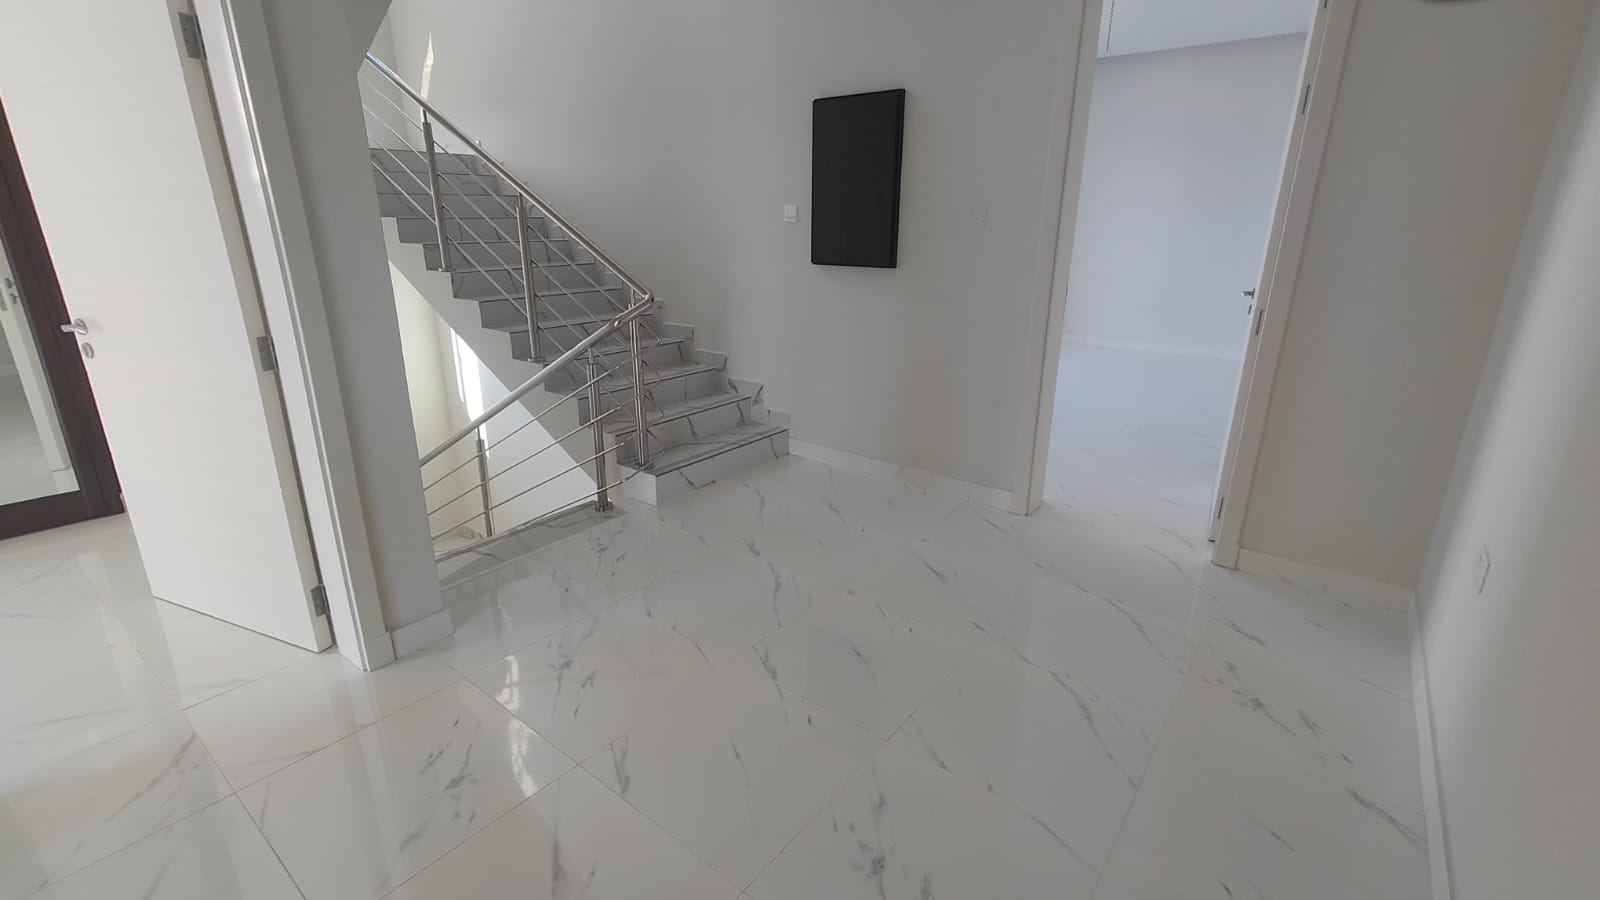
column 76, row 326
column 1250, row 294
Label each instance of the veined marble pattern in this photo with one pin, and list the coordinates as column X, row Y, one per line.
column 358, row 818
column 794, row 683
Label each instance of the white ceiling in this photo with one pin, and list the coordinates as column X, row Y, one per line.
column 1139, row 26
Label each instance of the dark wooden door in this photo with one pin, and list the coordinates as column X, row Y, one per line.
column 55, row 467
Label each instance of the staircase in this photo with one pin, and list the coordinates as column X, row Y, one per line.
column 496, row 237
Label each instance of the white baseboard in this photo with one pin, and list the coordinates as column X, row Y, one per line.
column 1428, row 756
column 920, row 478
column 1148, row 347
column 409, row 639
column 1326, row 581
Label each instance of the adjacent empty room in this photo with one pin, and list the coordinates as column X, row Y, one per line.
column 1187, row 129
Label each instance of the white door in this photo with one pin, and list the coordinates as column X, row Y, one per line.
column 1324, row 58
column 120, row 146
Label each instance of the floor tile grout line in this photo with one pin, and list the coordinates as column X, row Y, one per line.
column 250, row 818
column 1155, row 747
column 579, row 766
column 859, row 769
column 347, row 735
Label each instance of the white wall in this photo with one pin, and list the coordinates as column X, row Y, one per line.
column 1185, row 148
column 1513, row 672
column 675, row 132
column 316, row 63
column 438, row 410
column 1440, row 128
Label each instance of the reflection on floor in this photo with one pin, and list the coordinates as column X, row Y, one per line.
column 1136, row 440
column 800, row 684
column 24, row 472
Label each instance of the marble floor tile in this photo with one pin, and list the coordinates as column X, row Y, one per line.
column 359, row 817
column 1054, row 748
column 1020, row 544
column 797, row 531
column 574, row 839
column 495, row 619
column 918, row 579
column 87, row 806
column 1362, row 641
column 853, row 499
column 584, row 685
column 901, row 829
column 802, row 681
column 84, row 570
column 1294, row 706
column 1217, row 817
column 198, row 657
column 620, row 556
column 281, row 718
column 1135, row 571
column 728, row 604
column 1131, row 655
column 216, row 854
column 734, row 769
column 860, row 661
column 67, row 685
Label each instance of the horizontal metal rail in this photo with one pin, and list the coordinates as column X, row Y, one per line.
column 516, row 183
column 540, row 377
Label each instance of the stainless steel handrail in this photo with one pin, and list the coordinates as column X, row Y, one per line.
column 611, row 327
column 516, row 183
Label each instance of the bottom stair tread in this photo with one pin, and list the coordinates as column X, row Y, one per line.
column 687, row 454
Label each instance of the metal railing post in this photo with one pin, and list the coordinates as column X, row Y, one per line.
column 602, row 498
column 483, row 487
column 433, row 188
column 530, row 297
column 642, row 447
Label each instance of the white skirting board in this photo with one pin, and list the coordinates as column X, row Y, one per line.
column 1422, row 701
column 928, row 481
column 409, row 639
column 1085, row 340
column 1325, row 581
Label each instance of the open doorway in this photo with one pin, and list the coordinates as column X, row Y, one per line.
column 1189, row 124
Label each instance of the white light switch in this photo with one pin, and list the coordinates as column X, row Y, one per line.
column 791, row 212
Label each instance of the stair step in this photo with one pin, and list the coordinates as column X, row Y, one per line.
column 657, row 375
column 391, row 181
column 518, row 323
column 616, row 345
column 466, row 255
column 405, row 160
column 683, row 410
column 645, row 345
column 683, row 455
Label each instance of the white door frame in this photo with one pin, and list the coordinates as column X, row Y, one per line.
column 1057, row 224
column 255, row 128
column 1326, row 42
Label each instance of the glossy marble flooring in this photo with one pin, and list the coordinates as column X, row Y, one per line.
column 802, row 683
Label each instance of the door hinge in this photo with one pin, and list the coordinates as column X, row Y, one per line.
column 1305, row 99
column 193, row 43
column 1221, row 502
column 1260, row 314
column 267, row 353
column 319, row 600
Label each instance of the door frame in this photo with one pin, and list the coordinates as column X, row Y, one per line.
column 44, row 308
column 1326, row 46
column 1326, row 43
column 254, row 125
